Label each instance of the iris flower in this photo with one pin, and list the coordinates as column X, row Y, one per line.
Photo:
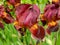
column 4, row 16
column 26, row 16
column 51, row 16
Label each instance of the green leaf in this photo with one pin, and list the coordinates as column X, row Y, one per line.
column 58, row 39
column 10, row 6
column 27, row 37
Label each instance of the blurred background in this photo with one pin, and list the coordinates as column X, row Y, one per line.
column 10, row 36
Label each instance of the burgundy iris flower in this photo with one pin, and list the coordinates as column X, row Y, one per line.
column 51, row 12
column 27, row 14
column 52, row 29
column 5, row 16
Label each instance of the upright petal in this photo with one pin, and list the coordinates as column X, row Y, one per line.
column 27, row 15
column 21, row 9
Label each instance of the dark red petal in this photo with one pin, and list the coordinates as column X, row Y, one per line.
column 49, row 6
column 35, row 7
column 22, row 19
column 51, row 11
column 53, row 28
column 1, row 10
column 47, row 12
column 48, row 31
column 49, row 17
column 8, row 19
column 56, row 5
column 27, row 15
column 21, row 9
column 38, row 33
column 31, row 18
column 52, row 14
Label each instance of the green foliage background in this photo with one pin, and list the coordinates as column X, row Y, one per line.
column 10, row 36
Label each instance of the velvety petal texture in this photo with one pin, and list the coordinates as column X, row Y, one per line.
column 51, row 12
column 27, row 14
